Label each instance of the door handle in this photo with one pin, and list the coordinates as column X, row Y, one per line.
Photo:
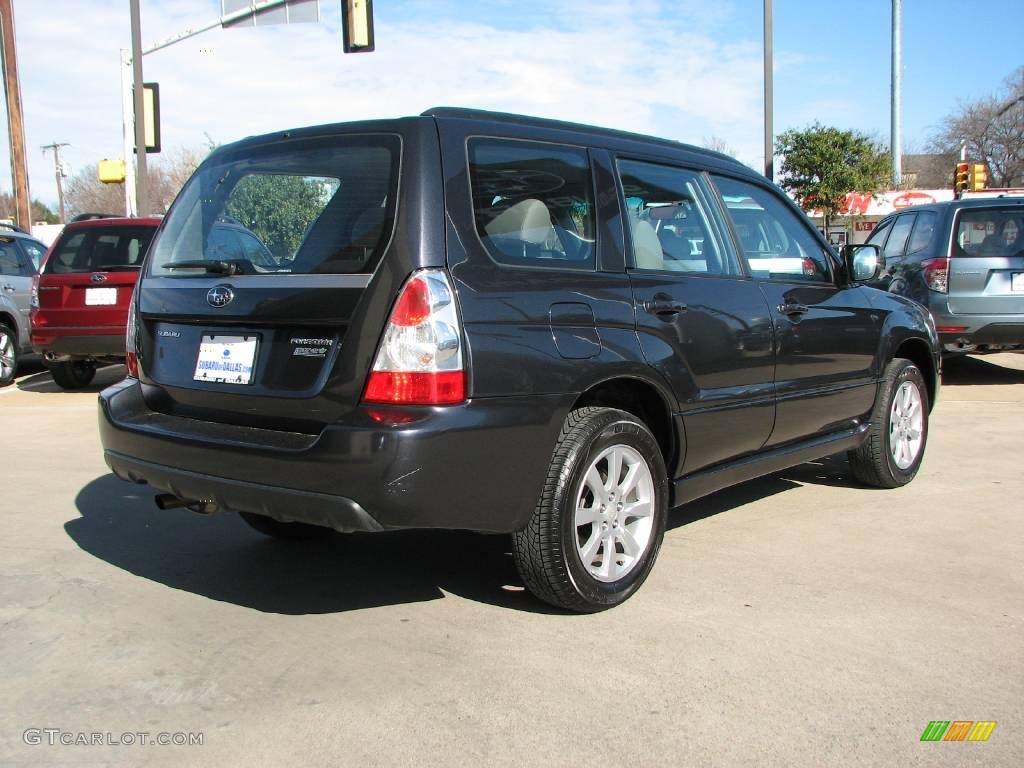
column 9, row 288
column 793, row 309
column 664, row 306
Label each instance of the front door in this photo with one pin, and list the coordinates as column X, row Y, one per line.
column 826, row 334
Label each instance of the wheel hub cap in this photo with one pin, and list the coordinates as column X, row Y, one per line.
column 614, row 513
column 906, row 425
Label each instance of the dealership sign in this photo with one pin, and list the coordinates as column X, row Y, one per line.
column 884, row 203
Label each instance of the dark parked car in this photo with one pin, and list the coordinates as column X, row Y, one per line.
column 81, row 295
column 504, row 324
column 964, row 260
column 20, row 257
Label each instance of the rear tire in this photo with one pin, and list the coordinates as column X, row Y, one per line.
column 8, row 355
column 597, row 528
column 268, row 526
column 73, row 374
column 892, row 454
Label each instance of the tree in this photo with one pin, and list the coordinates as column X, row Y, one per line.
column 85, row 193
column 993, row 130
column 821, row 165
column 278, row 209
column 718, row 144
column 39, row 211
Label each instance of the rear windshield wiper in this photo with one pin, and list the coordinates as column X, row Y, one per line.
column 209, row 265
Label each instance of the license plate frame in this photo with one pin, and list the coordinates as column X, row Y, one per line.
column 227, row 359
column 1017, row 282
column 101, row 297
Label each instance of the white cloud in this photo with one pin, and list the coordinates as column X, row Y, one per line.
column 645, row 67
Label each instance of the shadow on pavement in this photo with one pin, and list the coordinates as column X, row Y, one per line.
column 42, row 383
column 958, row 371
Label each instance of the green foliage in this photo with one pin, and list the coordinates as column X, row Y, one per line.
column 278, row 209
column 821, row 165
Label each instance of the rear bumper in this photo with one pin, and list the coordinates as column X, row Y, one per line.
column 479, row 466
column 108, row 342
column 997, row 331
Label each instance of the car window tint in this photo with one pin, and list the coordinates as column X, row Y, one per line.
column 35, row 252
column 777, row 245
column 10, row 263
column 322, row 205
column 99, row 249
column 669, row 222
column 533, row 204
column 986, row 232
column 881, row 231
column 922, row 234
column 898, row 239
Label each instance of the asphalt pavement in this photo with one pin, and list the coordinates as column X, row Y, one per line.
column 796, row 620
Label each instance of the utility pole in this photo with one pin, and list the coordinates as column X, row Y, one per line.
column 141, row 191
column 769, row 76
column 59, row 169
column 896, row 107
column 15, row 118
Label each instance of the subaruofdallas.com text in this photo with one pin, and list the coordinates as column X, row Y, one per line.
column 58, row 736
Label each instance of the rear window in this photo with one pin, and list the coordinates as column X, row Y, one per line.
column 322, row 206
column 99, row 249
column 985, row 232
column 533, row 203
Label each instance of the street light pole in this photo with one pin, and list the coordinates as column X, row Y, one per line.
column 141, row 192
column 769, row 139
column 896, row 108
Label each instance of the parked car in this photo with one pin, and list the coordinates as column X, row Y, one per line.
column 964, row 261
column 479, row 328
column 20, row 257
column 81, row 295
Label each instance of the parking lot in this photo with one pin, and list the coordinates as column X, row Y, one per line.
column 794, row 620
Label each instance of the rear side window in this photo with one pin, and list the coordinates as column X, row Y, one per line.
column 319, row 206
column 35, row 252
column 533, row 203
column 12, row 263
column 924, row 228
column 989, row 232
column 100, row 249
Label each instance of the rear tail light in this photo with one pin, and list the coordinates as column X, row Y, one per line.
column 34, row 300
column 419, row 360
column 936, row 274
column 131, row 341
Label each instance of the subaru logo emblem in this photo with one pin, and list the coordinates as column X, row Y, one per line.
column 219, row 296
column 99, row 277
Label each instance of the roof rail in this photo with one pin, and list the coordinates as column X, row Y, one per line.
column 91, row 216
column 15, row 227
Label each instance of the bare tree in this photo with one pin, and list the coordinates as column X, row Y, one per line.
column 718, row 144
column 993, row 130
column 87, row 194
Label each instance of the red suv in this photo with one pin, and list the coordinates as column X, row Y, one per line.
column 81, row 295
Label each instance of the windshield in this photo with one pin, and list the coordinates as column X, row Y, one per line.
column 99, row 249
column 322, row 206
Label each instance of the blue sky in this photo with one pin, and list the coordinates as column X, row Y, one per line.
column 684, row 70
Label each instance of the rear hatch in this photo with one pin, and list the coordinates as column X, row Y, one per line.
column 86, row 284
column 260, row 275
column 986, row 268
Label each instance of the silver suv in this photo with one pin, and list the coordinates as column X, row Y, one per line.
column 20, row 257
column 964, row 260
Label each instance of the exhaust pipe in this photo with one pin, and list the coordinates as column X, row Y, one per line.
column 53, row 357
column 170, row 501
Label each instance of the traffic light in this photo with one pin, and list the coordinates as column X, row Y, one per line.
column 979, row 177
column 962, row 178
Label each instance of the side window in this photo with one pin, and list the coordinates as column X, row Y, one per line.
column 10, row 264
column 894, row 246
column 35, row 252
column 533, row 203
column 878, row 236
column 669, row 221
column 776, row 243
column 922, row 234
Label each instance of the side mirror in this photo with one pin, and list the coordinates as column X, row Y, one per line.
column 863, row 262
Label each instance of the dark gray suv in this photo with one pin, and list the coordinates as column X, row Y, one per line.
column 504, row 324
column 964, row 261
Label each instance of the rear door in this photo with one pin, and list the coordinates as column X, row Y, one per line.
column 986, row 268
column 16, row 271
column 87, row 282
column 702, row 324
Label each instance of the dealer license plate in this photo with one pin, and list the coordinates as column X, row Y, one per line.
column 226, row 359
column 100, row 297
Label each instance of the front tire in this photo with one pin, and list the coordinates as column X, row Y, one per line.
column 8, row 355
column 597, row 528
column 73, row 374
column 892, row 454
